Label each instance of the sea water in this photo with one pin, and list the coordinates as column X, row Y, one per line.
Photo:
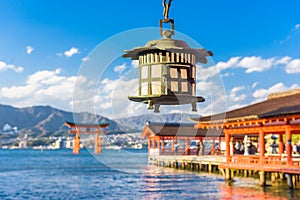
column 116, row 174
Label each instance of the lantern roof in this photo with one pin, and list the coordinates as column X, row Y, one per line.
column 167, row 44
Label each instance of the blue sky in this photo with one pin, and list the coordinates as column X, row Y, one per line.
column 43, row 44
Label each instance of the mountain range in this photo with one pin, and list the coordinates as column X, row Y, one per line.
column 46, row 121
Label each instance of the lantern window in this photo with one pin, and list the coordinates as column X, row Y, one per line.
column 144, row 72
column 156, row 87
column 144, row 88
column 173, row 73
column 184, row 87
column 156, row 71
column 183, row 73
column 174, row 86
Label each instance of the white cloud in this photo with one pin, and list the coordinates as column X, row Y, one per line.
column 4, row 67
column 111, row 98
column 71, row 52
column 251, row 64
column 293, row 66
column 294, row 32
column 256, row 64
column 120, row 68
column 29, row 49
column 215, row 97
column 240, row 97
column 254, row 85
column 227, row 74
column 85, row 59
column 229, row 64
column 234, row 94
column 135, row 63
column 108, row 98
column 261, row 94
column 236, row 89
column 284, row 60
column 43, row 88
column 206, row 73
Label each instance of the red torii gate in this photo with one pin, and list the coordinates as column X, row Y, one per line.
column 84, row 128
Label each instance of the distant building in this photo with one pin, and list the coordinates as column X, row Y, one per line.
column 68, row 144
column 58, row 144
column 23, row 143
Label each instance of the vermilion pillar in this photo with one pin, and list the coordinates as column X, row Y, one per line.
column 98, row 144
column 219, row 146
column 227, row 140
column 149, row 144
column 76, row 144
column 280, row 144
column 201, row 151
column 261, row 146
column 158, row 143
column 173, row 145
column 288, row 146
column 187, row 146
column 213, row 149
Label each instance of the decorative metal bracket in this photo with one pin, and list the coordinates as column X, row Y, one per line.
column 167, row 21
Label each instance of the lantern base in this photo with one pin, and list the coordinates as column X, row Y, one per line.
column 155, row 101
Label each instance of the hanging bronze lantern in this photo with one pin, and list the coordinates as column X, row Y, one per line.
column 167, row 70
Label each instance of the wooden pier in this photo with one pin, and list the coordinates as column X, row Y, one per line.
column 208, row 163
column 271, row 173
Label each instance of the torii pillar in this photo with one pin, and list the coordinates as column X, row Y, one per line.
column 76, row 144
column 98, row 144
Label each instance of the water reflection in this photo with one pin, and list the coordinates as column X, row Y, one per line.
column 163, row 183
column 248, row 188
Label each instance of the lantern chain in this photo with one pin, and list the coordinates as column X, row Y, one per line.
column 166, row 8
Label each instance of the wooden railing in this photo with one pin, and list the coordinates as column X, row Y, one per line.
column 178, row 151
column 268, row 160
column 274, row 160
column 296, row 163
column 191, row 151
column 246, row 160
